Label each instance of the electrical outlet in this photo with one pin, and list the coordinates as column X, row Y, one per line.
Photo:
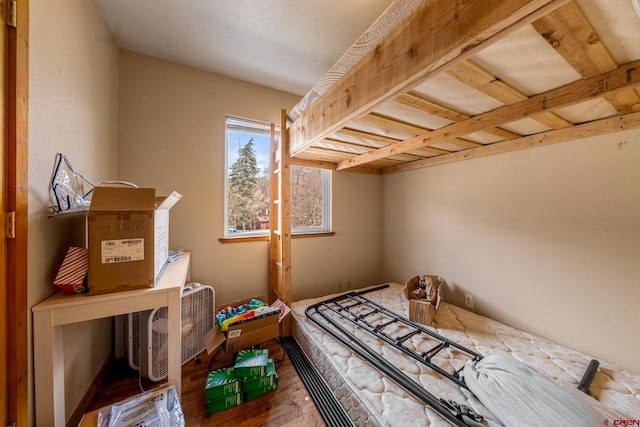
column 468, row 300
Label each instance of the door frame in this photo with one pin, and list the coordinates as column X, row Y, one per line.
column 4, row 390
column 14, row 196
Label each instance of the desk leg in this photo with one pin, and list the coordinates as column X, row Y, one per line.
column 48, row 355
column 174, row 340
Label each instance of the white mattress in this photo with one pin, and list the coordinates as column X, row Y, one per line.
column 372, row 399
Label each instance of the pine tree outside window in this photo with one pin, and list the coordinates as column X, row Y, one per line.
column 247, row 185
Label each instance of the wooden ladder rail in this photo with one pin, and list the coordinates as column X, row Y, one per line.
column 280, row 220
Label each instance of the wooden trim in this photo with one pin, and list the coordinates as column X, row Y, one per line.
column 245, row 239
column 266, row 238
column 625, row 76
column 84, row 404
column 438, row 35
column 595, row 128
column 16, row 187
column 305, row 235
column 4, row 370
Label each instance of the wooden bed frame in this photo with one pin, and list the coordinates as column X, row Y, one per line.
column 347, row 127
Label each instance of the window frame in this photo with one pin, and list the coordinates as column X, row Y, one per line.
column 326, row 206
column 325, row 229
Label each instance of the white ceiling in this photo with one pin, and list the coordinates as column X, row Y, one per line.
column 283, row 44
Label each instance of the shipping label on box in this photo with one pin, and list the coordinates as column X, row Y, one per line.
column 123, row 250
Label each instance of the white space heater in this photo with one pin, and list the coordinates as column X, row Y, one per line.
column 147, row 332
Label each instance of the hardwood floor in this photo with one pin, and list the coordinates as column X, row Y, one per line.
column 289, row 405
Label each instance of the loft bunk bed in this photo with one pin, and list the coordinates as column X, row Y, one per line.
column 439, row 81
column 457, row 80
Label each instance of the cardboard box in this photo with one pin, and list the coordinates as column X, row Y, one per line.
column 255, row 393
column 223, row 403
column 244, row 334
column 128, row 238
column 268, row 380
column 251, row 363
column 421, row 311
column 221, row 383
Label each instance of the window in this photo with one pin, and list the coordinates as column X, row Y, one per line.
column 247, row 185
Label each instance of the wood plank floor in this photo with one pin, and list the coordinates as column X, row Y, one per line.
column 289, row 405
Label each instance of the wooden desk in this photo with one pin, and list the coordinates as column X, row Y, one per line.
column 61, row 309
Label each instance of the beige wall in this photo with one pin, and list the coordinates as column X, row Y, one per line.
column 351, row 258
column 172, row 137
column 73, row 73
column 546, row 240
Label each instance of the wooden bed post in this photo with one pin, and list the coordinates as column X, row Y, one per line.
column 280, row 221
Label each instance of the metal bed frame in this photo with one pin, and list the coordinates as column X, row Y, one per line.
column 332, row 315
column 353, row 308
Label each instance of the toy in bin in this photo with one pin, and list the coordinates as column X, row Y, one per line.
column 253, row 309
column 71, row 277
column 243, row 324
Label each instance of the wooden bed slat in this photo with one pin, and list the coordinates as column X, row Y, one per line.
column 433, row 87
column 571, row 34
column 440, row 33
column 586, row 130
column 625, row 102
column 624, row 77
column 419, row 102
column 482, row 80
column 574, row 38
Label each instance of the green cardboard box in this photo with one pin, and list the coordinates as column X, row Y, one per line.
column 253, row 394
column 251, row 363
column 221, row 383
column 223, row 403
column 268, row 380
